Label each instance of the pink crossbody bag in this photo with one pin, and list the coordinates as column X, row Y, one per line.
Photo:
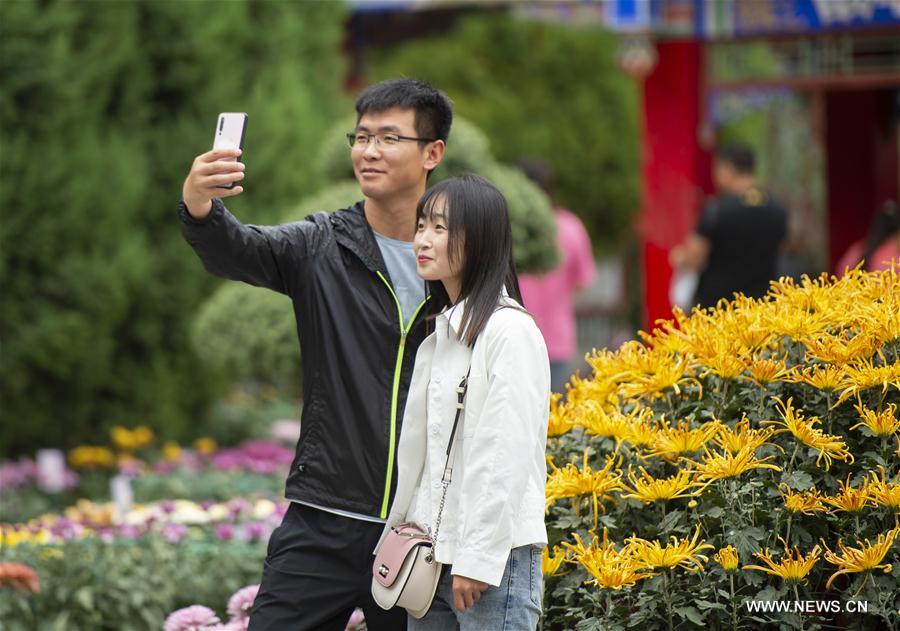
column 406, row 573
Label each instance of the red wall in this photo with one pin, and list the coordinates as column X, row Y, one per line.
column 675, row 170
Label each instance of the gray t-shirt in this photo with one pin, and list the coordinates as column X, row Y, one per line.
column 401, row 264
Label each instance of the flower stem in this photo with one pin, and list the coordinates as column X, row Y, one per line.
column 734, row 617
column 609, row 608
column 793, row 457
column 797, row 599
column 668, row 596
column 788, row 536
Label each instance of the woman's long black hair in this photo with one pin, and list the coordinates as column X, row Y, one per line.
column 479, row 233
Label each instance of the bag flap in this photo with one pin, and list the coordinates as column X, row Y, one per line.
column 400, row 542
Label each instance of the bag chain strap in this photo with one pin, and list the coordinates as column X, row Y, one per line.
column 451, row 447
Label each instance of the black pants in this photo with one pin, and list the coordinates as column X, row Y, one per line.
column 318, row 569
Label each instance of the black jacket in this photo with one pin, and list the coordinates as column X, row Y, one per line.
column 358, row 354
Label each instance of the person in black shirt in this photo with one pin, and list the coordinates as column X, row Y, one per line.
column 737, row 240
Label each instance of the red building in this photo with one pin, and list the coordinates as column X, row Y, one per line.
column 842, row 57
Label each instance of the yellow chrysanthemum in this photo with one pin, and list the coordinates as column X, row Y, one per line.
column 850, row 499
column 205, row 446
column 841, row 349
column 722, row 359
column 882, row 423
column 649, row 489
column 11, row 536
column 131, row 439
column 793, row 566
column 741, row 436
column 560, row 421
column 805, row 430
column 864, row 558
column 882, row 318
column 86, row 511
column 718, row 466
column 171, row 451
column 86, row 456
column 682, row 553
column 599, row 421
column 550, row 564
column 883, row 492
column 819, row 376
column 727, row 557
column 641, row 430
column 575, row 483
column 656, row 371
column 670, row 442
column 808, row 502
column 796, row 323
column 763, row 370
column 864, row 374
column 609, row 568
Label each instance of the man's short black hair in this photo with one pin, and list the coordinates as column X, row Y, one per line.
column 434, row 110
column 739, row 155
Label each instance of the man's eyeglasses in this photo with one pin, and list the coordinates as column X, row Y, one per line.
column 362, row 139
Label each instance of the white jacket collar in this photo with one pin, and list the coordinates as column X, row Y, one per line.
column 453, row 314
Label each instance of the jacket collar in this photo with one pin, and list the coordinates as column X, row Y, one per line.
column 352, row 230
column 453, row 314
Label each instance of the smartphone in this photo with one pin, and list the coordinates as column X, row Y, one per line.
column 230, row 134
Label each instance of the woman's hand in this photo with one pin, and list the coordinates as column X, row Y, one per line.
column 466, row 592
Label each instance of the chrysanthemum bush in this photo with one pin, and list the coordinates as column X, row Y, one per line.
column 128, row 584
column 100, row 570
column 203, row 472
column 743, row 453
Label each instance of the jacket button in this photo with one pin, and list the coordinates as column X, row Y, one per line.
column 301, row 468
column 435, row 429
column 436, row 484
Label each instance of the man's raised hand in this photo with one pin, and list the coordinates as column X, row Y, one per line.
column 209, row 171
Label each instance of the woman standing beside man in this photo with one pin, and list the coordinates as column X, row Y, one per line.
column 492, row 524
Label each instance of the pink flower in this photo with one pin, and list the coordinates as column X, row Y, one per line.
column 163, row 467
column 174, row 532
column 225, row 532
column 241, row 601
column 255, row 531
column 193, row 618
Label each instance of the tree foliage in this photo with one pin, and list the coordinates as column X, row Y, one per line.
column 104, row 107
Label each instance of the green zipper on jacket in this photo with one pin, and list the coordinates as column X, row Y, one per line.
column 398, row 366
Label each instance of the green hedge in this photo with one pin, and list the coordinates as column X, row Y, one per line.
column 103, row 108
column 549, row 90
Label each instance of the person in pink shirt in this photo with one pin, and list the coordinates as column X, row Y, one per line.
column 880, row 247
column 548, row 297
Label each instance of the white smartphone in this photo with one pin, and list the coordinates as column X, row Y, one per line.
column 230, row 132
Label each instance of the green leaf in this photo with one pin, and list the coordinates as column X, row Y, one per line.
column 798, row 480
column 690, row 613
column 714, row 511
column 85, row 597
column 669, row 521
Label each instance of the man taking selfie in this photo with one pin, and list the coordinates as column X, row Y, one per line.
column 360, row 309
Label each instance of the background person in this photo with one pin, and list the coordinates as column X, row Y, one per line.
column 549, row 296
column 737, row 240
column 881, row 245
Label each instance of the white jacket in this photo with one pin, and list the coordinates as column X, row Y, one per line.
column 495, row 501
